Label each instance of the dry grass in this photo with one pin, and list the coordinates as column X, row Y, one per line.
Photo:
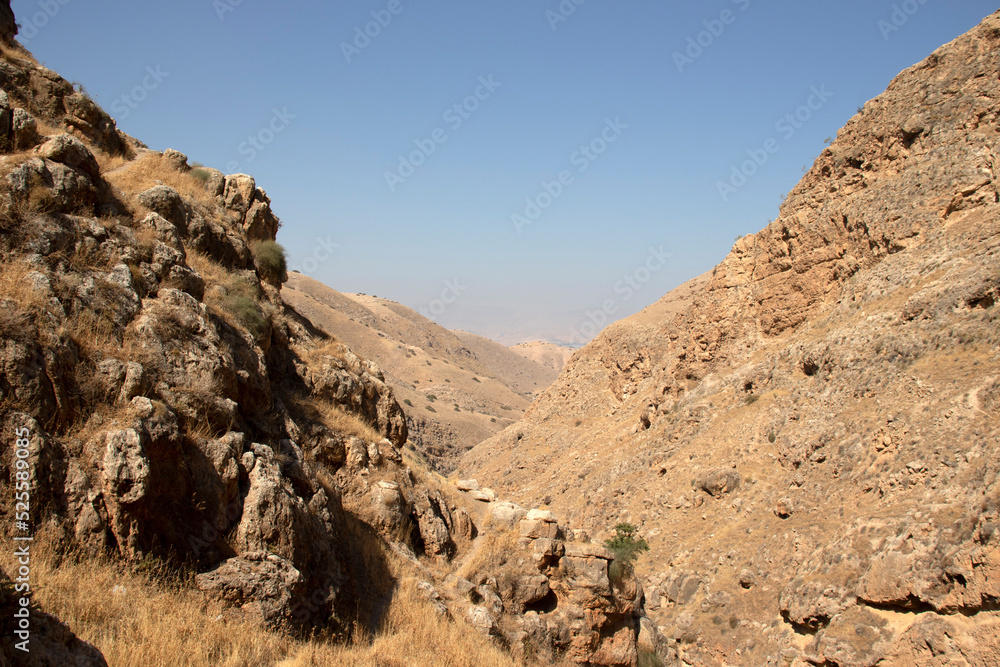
column 413, row 635
column 146, row 620
column 17, row 56
column 140, row 616
column 330, row 348
column 14, row 285
column 496, row 547
column 237, row 302
column 135, row 176
column 335, row 418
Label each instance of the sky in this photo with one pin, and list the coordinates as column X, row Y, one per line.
column 525, row 169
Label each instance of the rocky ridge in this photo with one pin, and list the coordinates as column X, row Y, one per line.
column 807, row 435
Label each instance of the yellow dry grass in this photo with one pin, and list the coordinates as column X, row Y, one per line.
column 16, row 55
column 413, row 635
column 14, row 285
column 135, row 176
column 335, row 418
column 146, row 616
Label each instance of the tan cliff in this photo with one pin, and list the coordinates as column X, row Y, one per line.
column 807, row 436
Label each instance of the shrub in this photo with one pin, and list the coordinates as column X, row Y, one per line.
column 408, row 402
column 626, row 549
column 648, row 658
column 271, row 263
column 245, row 310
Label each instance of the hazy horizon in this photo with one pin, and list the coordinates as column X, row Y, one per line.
column 521, row 171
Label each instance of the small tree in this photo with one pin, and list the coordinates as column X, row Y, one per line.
column 626, row 549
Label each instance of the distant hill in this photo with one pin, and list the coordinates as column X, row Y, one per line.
column 547, row 354
column 478, row 386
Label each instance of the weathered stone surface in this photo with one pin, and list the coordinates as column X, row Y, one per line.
column 720, row 482
column 70, row 151
column 506, row 514
column 261, row 583
column 166, row 202
column 538, row 529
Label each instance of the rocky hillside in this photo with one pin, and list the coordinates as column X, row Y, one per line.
column 189, row 434
column 808, row 435
column 457, row 389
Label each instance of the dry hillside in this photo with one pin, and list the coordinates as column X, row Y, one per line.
column 808, row 435
column 457, row 388
column 548, row 354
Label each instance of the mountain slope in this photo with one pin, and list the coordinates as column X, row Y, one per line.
column 489, row 384
column 807, row 436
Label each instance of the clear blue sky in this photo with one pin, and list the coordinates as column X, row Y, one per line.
column 229, row 69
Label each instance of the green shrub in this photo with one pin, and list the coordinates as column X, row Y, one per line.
column 271, row 262
column 245, row 310
column 408, row 402
column 626, row 549
column 200, row 174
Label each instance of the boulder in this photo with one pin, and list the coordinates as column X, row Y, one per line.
column 506, row 514
column 720, row 482
column 263, row 584
column 70, row 151
column 538, row 529
column 239, row 193
column 166, row 202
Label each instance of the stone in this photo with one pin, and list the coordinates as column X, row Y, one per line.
column 167, row 203
column 70, row 151
column 784, row 508
column 483, row 495
column 467, row 485
column 541, row 515
column 264, row 584
column 720, row 482
column 239, row 193
column 538, row 529
column 506, row 514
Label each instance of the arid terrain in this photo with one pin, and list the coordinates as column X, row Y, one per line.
column 457, row 388
column 228, row 464
column 808, row 434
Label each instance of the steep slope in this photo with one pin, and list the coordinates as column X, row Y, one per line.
column 807, row 436
column 457, row 388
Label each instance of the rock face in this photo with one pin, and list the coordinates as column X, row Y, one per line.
column 8, row 25
column 808, row 433
column 168, row 412
column 554, row 599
